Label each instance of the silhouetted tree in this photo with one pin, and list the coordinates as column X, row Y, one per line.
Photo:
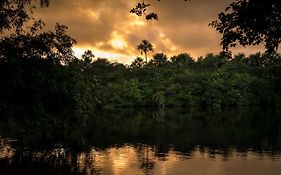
column 88, row 56
column 13, row 13
column 182, row 60
column 137, row 63
column 33, row 78
column 211, row 61
column 250, row 22
column 141, row 8
column 159, row 59
column 145, row 46
column 238, row 59
column 55, row 45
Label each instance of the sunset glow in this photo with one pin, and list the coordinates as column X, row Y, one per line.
column 107, row 27
column 113, row 57
column 140, row 87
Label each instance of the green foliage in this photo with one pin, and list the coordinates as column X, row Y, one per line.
column 182, row 60
column 39, row 73
column 81, row 86
column 212, row 61
column 159, row 59
column 137, row 63
column 126, row 93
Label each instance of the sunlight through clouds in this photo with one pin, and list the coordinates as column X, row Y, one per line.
column 113, row 57
column 112, row 31
column 117, row 41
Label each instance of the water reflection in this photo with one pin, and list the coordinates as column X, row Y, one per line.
column 141, row 159
column 6, row 150
column 145, row 142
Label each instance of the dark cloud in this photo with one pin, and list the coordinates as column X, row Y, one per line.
column 89, row 21
column 183, row 26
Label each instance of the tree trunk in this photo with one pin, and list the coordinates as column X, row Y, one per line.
column 145, row 57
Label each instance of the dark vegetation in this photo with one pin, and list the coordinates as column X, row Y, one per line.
column 184, row 129
column 250, row 22
column 55, row 84
column 40, row 76
column 49, row 97
column 55, row 148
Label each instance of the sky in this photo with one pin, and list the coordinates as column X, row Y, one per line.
column 109, row 29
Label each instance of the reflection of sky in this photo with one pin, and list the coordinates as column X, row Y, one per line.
column 6, row 151
column 127, row 160
column 143, row 159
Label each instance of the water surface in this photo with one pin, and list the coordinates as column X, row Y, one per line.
column 145, row 142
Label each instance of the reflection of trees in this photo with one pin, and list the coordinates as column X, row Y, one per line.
column 68, row 161
column 88, row 163
column 146, row 159
column 220, row 131
column 6, row 150
column 49, row 161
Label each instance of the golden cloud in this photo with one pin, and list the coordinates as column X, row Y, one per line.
column 106, row 26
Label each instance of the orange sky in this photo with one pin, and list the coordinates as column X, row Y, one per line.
column 107, row 27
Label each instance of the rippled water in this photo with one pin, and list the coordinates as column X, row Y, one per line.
column 141, row 159
column 159, row 143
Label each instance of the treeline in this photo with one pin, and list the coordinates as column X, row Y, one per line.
column 41, row 77
column 39, row 81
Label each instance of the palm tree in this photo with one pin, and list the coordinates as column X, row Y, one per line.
column 145, row 46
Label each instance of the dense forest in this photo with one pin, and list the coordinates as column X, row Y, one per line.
column 40, row 76
column 160, row 114
column 54, row 85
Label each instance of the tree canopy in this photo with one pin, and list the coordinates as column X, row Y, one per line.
column 141, row 10
column 145, row 46
column 40, row 75
column 13, row 13
column 250, row 22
